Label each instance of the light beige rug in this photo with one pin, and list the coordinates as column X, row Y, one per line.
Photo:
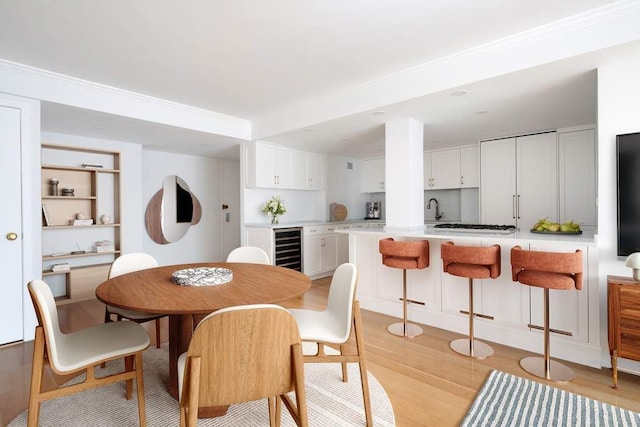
column 330, row 401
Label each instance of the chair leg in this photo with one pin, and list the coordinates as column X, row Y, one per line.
column 345, row 375
column 107, row 319
column 128, row 366
column 357, row 326
column 37, row 368
column 404, row 328
column 544, row 367
column 142, row 413
column 157, row 333
column 469, row 346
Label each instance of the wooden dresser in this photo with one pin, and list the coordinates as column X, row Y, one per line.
column 623, row 308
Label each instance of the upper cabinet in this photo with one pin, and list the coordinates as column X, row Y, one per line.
column 469, row 167
column 441, row 169
column 274, row 166
column 373, row 176
column 454, row 168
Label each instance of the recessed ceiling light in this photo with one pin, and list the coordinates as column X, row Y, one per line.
column 460, row 92
column 378, row 113
column 98, row 128
column 204, row 145
column 309, row 130
column 344, row 140
column 433, row 141
column 481, row 112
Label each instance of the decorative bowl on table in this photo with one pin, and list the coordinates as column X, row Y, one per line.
column 202, row 276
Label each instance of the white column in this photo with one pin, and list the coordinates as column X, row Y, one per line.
column 404, row 182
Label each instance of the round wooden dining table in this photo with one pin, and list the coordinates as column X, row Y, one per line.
column 153, row 291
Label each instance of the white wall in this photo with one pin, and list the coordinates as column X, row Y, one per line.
column 618, row 113
column 343, row 186
column 203, row 241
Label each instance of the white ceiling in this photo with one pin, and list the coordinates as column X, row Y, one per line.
column 251, row 58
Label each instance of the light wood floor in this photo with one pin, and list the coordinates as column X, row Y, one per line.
column 427, row 383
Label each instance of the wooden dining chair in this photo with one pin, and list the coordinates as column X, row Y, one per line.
column 79, row 352
column 251, row 254
column 240, row 354
column 129, row 263
column 333, row 326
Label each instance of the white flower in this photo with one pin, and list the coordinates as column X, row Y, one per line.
column 274, row 207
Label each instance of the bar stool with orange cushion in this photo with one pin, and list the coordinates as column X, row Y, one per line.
column 471, row 262
column 405, row 255
column 547, row 270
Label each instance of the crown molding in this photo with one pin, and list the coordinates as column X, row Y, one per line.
column 595, row 29
column 31, row 82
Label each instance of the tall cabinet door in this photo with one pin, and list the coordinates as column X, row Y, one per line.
column 577, row 176
column 11, row 234
column 498, row 181
column 537, row 184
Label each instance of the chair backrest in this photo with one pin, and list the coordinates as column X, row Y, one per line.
column 246, row 354
column 342, row 294
column 47, row 313
column 249, row 254
column 131, row 262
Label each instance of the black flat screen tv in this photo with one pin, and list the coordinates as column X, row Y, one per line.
column 628, row 159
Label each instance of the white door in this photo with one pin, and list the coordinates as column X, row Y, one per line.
column 230, row 206
column 11, row 233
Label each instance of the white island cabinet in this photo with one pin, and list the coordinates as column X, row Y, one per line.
column 511, row 313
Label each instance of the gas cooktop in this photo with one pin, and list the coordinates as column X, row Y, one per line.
column 479, row 228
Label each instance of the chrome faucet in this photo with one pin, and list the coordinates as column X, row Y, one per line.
column 438, row 213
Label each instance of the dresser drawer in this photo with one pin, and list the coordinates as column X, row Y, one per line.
column 629, row 298
column 629, row 347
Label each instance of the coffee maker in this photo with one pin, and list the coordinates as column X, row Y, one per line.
column 372, row 210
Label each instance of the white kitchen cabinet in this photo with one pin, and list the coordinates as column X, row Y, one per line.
column 441, row 169
column 373, row 179
column 577, row 176
column 263, row 238
column 320, row 250
column 469, row 167
column 308, row 170
column 269, row 166
column 273, row 166
column 518, row 180
column 315, row 171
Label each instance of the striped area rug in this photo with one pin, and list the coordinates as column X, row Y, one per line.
column 507, row 400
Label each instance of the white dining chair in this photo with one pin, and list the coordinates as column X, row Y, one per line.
column 80, row 352
column 129, row 263
column 333, row 326
column 248, row 254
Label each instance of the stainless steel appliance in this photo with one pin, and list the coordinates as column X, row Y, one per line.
column 373, row 210
column 478, row 228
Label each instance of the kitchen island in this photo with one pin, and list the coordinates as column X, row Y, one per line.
column 509, row 312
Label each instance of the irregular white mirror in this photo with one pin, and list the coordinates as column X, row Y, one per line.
column 171, row 211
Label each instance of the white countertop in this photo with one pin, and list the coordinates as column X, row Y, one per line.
column 588, row 235
column 311, row 223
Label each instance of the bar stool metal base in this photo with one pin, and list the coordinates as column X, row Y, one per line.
column 463, row 346
column 557, row 372
column 408, row 330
